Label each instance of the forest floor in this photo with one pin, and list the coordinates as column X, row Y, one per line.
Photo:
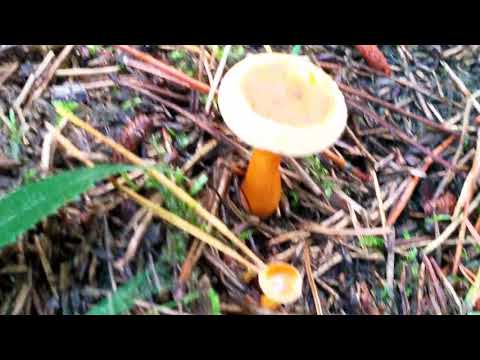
column 104, row 254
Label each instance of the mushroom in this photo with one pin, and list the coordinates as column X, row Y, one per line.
column 281, row 283
column 281, row 105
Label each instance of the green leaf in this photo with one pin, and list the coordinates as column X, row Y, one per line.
column 385, row 294
column 15, row 135
column 68, row 106
column 438, row 218
column 215, row 302
column 24, row 208
column 131, row 103
column 186, row 300
column 92, row 49
column 198, row 184
column 412, row 255
column 237, row 53
column 372, row 241
column 245, row 234
column 182, row 140
column 121, row 301
column 294, row 199
column 327, row 188
column 406, row 235
column 177, row 55
column 29, row 176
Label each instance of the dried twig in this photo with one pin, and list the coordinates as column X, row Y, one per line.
column 447, row 285
column 399, row 133
column 6, row 71
column 46, row 266
column 31, row 80
column 200, row 153
column 323, row 230
column 397, row 109
column 438, row 291
column 218, row 77
column 414, row 180
column 326, row 265
column 166, row 69
column 460, row 84
column 450, row 228
column 187, row 227
column 311, row 280
column 200, row 123
column 169, row 184
column 75, row 72
column 197, row 248
column 421, row 283
column 289, row 236
column 307, row 180
column 137, row 237
column 50, row 73
column 466, row 116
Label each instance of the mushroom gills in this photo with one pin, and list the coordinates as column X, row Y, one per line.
column 278, row 93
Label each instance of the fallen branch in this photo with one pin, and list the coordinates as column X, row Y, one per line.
column 323, row 230
column 167, row 69
column 394, row 108
column 414, row 180
column 399, row 133
column 165, row 181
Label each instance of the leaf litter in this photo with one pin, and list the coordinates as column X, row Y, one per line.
column 400, row 121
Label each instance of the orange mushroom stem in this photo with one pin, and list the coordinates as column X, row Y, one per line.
column 262, row 187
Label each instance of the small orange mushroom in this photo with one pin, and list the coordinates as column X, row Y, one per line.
column 268, row 304
column 281, row 283
column 279, row 104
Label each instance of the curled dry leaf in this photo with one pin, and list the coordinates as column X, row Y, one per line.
column 445, row 204
column 134, row 132
column 374, row 58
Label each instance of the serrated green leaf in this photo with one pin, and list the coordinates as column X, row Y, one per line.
column 24, row 208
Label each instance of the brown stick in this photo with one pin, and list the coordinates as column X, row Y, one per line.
column 167, row 69
column 436, row 286
column 344, row 165
column 51, row 72
column 392, row 107
column 400, row 134
column 407, row 194
column 205, row 126
column 311, row 279
column 323, row 230
column 197, row 247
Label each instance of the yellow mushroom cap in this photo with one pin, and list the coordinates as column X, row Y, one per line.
column 282, row 103
column 281, row 283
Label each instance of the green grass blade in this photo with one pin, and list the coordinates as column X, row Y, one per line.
column 139, row 287
column 22, row 209
column 215, row 302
